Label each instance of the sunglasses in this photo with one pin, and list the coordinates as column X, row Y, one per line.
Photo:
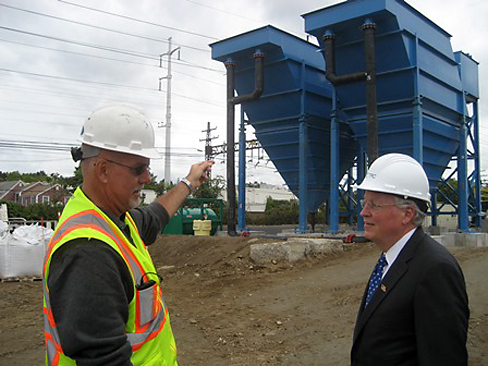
column 136, row 171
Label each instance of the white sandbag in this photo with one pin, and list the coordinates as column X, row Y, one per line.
column 22, row 252
column 3, row 212
column 33, row 234
column 4, row 237
column 3, row 227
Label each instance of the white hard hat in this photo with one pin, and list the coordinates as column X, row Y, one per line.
column 397, row 174
column 120, row 128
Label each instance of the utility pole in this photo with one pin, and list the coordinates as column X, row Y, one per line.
column 208, row 148
column 167, row 153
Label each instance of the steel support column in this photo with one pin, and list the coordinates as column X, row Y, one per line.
column 463, row 212
column 241, row 203
column 361, row 172
column 350, row 206
column 433, row 206
column 303, row 172
column 334, row 165
column 477, row 166
column 303, row 158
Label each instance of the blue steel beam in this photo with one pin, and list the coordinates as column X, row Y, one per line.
column 303, row 158
column 463, row 216
column 477, row 166
column 361, row 173
column 241, row 206
column 303, row 171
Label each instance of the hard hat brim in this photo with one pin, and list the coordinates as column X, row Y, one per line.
column 145, row 153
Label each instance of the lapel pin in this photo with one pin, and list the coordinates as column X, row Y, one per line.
column 383, row 287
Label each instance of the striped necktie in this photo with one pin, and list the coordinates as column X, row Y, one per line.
column 375, row 278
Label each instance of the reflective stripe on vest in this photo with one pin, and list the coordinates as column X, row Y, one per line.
column 151, row 313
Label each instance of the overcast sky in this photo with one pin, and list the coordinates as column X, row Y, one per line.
column 58, row 65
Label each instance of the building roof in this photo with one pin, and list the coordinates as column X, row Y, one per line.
column 38, row 188
column 6, row 187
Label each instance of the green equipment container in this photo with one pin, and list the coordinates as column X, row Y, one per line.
column 182, row 222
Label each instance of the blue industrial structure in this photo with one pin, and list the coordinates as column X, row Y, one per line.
column 315, row 121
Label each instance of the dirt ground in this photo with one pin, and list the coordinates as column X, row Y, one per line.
column 225, row 310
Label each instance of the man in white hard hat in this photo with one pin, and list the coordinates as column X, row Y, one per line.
column 102, row 297
column 415, row 307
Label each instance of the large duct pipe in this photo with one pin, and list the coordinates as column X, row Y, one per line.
column 369, row 75
column 231, row 102
column 369, row 29
column 329, row 50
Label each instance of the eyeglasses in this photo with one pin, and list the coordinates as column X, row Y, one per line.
column 375, row 206
column 136, row 171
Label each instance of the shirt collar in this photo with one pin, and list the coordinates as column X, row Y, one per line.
column 394, row 251
column 119, row 221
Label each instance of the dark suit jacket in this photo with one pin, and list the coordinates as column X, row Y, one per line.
column 419, row 313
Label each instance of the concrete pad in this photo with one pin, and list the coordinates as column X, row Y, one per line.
column 292, row 251
column 471, row 240
column 324, row 248
column 476, row 240
column 282, row 251
column 447, row 240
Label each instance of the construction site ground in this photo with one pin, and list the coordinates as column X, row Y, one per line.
column 226, row 310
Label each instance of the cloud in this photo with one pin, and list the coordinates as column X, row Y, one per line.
column 53, row 107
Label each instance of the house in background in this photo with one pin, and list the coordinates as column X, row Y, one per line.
column 256, row 197
column 9, row 190
column 30, row 193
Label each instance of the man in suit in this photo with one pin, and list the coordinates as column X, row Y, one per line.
column 415, row 307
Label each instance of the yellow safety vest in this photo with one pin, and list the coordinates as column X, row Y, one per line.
column 148, row 327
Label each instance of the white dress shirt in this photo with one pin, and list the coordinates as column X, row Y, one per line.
column 394, row 251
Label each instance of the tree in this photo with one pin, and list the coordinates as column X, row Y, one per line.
column 13, row 176
column 211, row 188
column 39, row 176
column 281, row 211
column 162, row 187
column 448, row 191
column 35, row 211
column 70, row 183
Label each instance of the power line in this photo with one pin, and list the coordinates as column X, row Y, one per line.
column 56, row 90
column 63, row 147
column 33, row 160
column 187, row 63
column 111, row 49
column 118, row 60
column 38, row 104
column 65, row 93
column 39, row 112
column 93, row 96
column 84, row 24
column 99, row 27
column 77, row 80
column 220, row 10
column 138, row 20
column 107, row 84
column 78, row 53
column 36, row 145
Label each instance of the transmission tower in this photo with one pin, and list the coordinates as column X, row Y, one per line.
column 167, row 153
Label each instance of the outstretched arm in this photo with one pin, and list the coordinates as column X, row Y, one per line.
column 173, row 199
